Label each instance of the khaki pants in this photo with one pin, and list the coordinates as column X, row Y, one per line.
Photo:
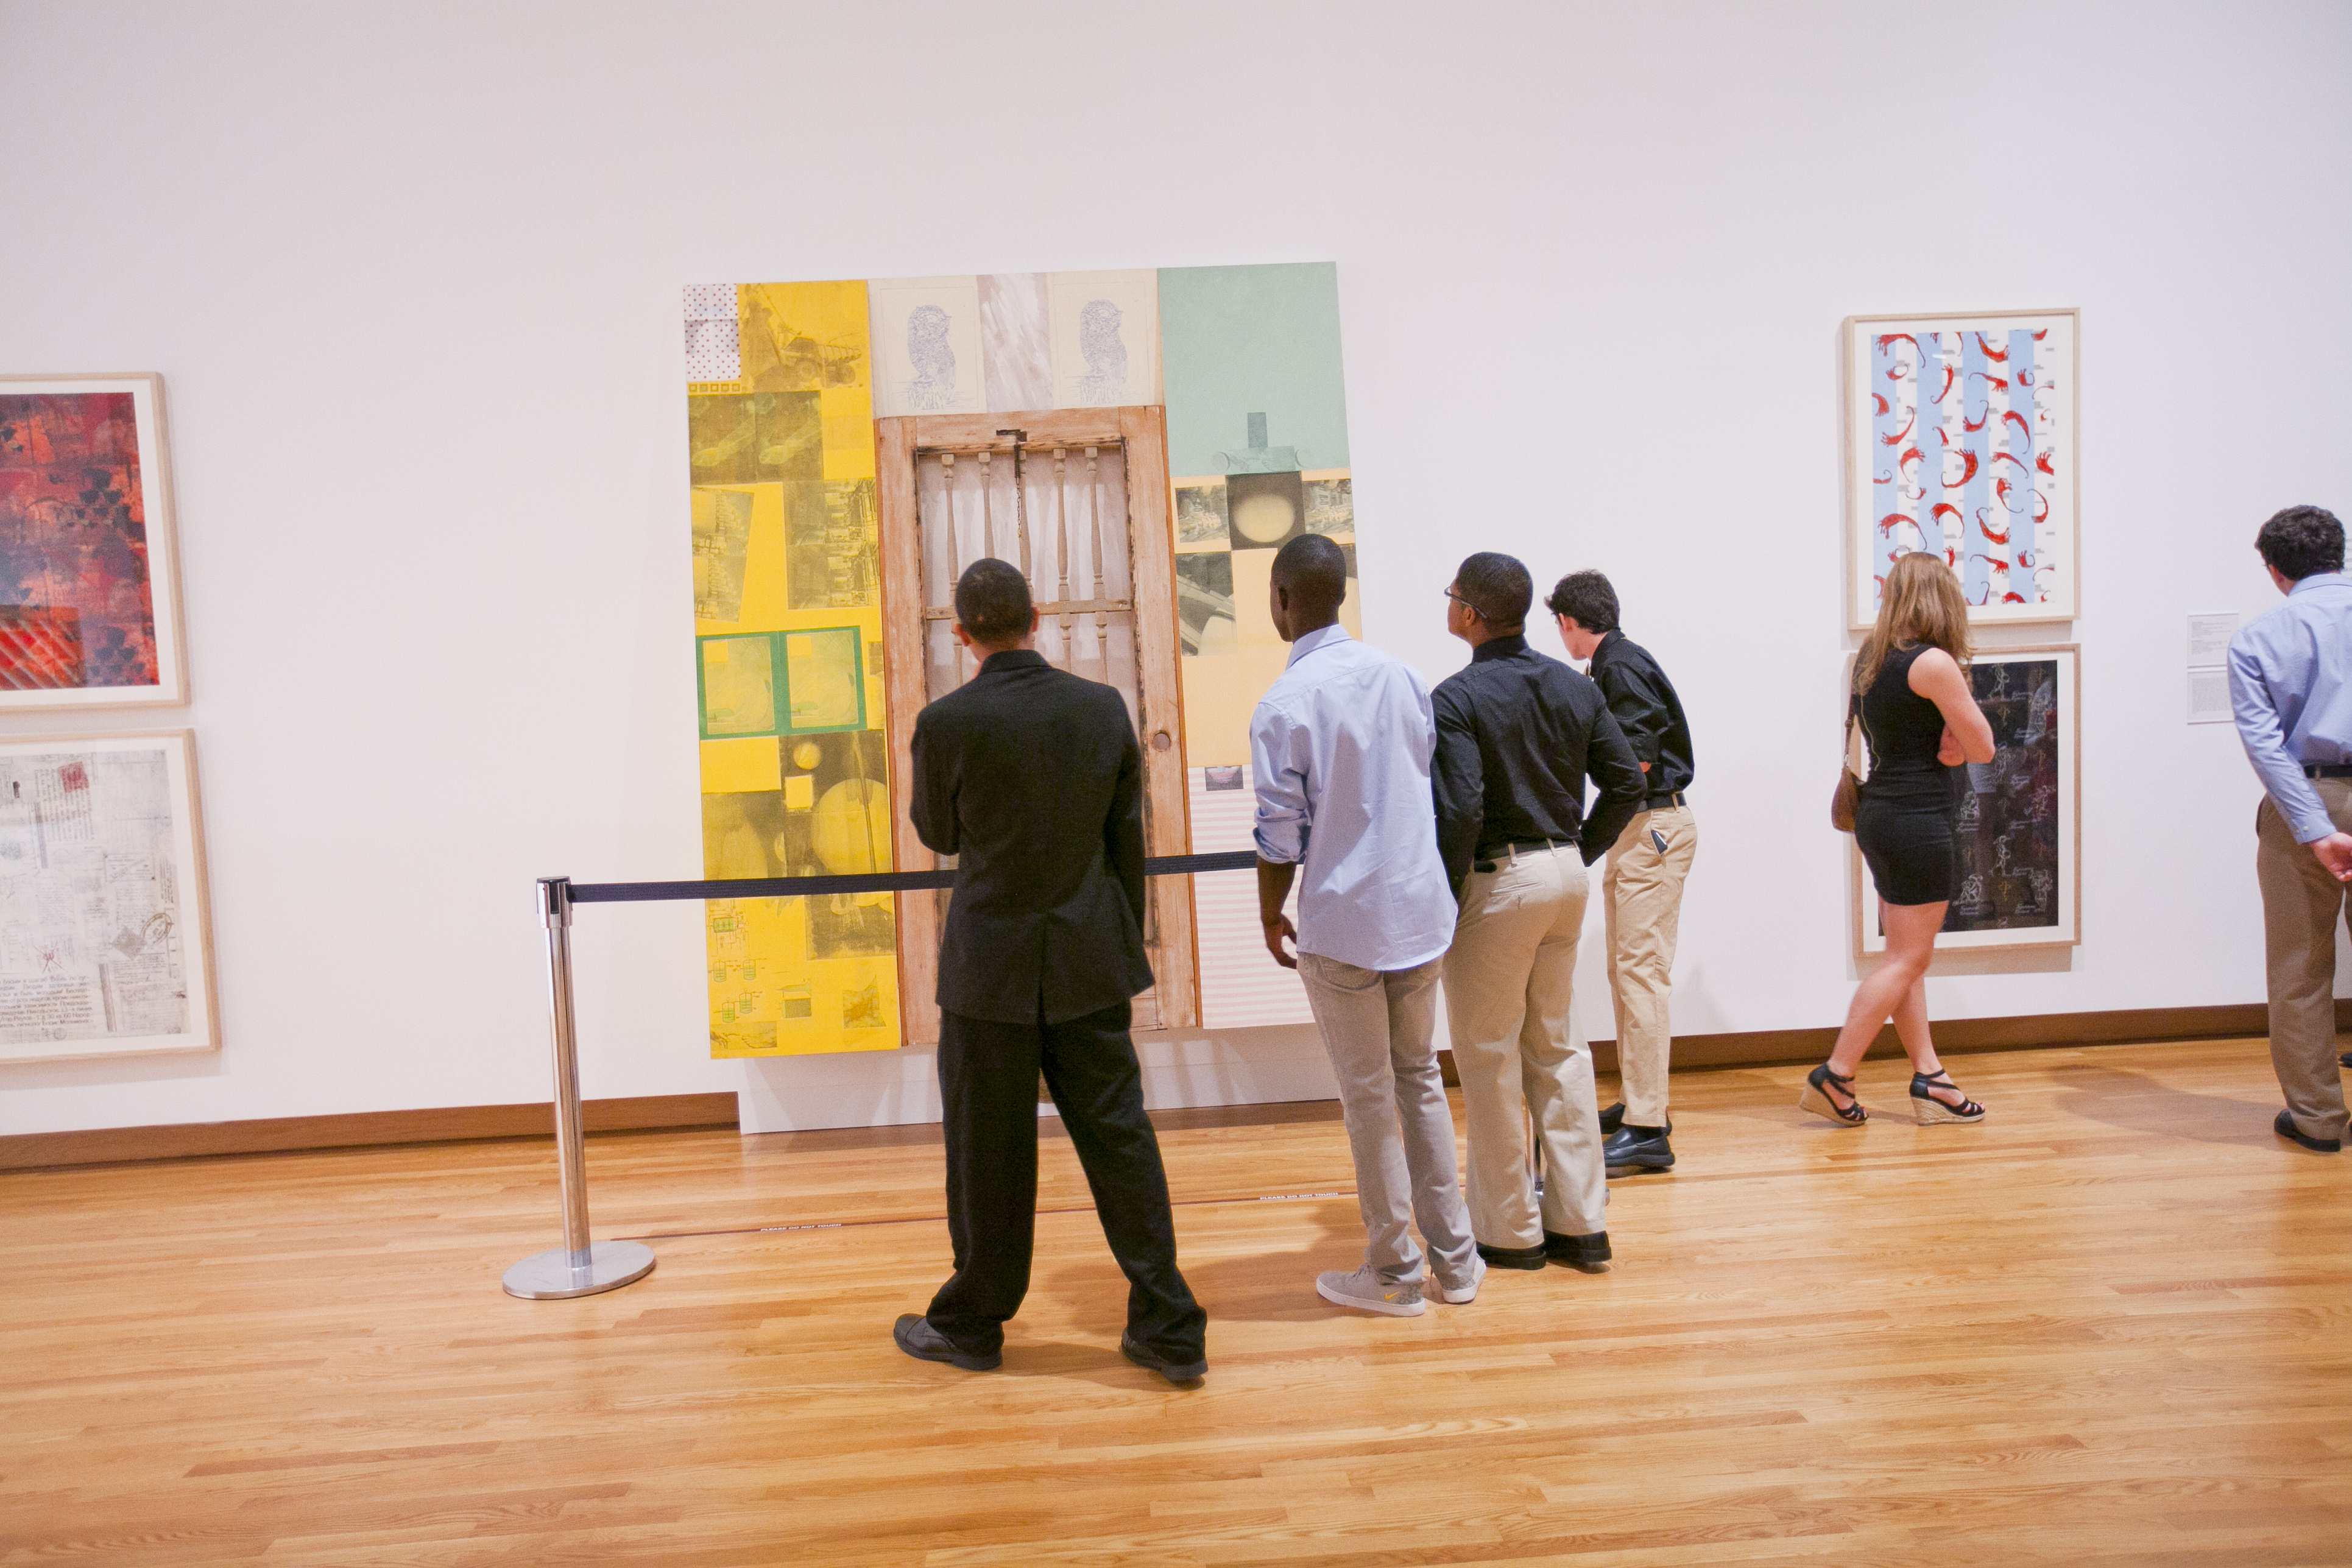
column 1508, row 980
column 2301, row 906
column 1642, row 893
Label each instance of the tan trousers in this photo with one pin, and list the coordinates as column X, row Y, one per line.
column 1642, row 892
column 1507, row 980
column 2301, row 906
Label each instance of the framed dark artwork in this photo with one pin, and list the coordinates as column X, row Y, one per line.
column 2017, row 844
column 90, row 586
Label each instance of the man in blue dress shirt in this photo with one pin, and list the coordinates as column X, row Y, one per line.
column 1339, row 751
column 2291, row 689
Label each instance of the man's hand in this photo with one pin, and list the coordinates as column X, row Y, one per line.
column 1274, row 879
column 2335, row 852
column 1948, row 752
column 1280, row 927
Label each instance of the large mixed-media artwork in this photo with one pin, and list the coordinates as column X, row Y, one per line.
column 1960, row 440
column 88, row 582
column 1035, row 416
column 2016, row 856
column 105, row 947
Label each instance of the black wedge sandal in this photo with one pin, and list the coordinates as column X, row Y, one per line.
column 1930, row 1110
column 1816, row 1098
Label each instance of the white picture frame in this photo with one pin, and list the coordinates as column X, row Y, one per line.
column 106, row 945
column 1998, row 783
column 62, row 644
column 1960, row 436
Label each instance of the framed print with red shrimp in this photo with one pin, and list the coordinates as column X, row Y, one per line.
column 1960, row 438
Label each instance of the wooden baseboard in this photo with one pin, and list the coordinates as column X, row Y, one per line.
column 285, row 1134
column 645, row 1113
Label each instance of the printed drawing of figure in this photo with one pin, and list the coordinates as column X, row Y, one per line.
column 1106, row 355
column 934, row 361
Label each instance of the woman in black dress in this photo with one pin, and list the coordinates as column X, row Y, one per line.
column 1920, row 719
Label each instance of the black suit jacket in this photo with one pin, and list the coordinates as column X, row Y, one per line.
column 1033, row 776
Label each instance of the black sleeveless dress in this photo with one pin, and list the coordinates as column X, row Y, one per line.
column 1904, row 819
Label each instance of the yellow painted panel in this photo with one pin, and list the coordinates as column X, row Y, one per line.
column 741, row 767
column 795, row 550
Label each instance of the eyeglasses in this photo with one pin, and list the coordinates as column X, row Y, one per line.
column 1463, row 602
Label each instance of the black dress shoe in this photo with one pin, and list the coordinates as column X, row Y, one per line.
column 918, row 1339
column 1182, row 1373
column 1614, row 1117
column 1590, row 1253
column 2285, row 1128
column 2345, row 1061
column 1632, row 1150
column 1513, row 1256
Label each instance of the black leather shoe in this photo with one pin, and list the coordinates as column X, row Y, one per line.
column 2345, row 1061
column 1182, row 1373
column 918, row 1339
column 1513, row 1256
column 1614, row 1117
column 2285, row 1128
column 1633, row 1150
column 1590, row 1253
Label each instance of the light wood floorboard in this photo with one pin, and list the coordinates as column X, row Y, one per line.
column 2111, row 1326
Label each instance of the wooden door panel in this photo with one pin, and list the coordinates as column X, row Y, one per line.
column 1060, row 436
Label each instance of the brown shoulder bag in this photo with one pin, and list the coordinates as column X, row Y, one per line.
column 1849, row 785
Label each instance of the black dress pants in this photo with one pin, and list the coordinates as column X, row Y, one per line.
column 987, row 1083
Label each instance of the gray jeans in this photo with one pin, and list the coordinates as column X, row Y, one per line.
column 1377, row 1028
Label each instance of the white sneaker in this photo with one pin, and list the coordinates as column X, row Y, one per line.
column 1368, row 1291
column 1456, row 1295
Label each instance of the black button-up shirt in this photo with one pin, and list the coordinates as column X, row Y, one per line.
column 1647, row 710
column 1518, row 734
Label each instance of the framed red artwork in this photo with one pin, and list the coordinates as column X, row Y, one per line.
column 89, row 581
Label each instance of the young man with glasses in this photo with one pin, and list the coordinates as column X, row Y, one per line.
column 1517, row 735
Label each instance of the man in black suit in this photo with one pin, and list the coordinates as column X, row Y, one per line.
column 1033, row 777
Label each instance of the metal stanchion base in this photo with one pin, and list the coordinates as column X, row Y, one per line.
column 549, row 1276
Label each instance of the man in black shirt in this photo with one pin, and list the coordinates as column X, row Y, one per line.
column 1033, row 775
column 1642, row 887
column 1518, row 734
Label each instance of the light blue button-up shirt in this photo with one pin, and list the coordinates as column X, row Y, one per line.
column 1339, row 748
column 2291, row 689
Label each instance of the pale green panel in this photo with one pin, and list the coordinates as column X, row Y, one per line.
column 1238, row 340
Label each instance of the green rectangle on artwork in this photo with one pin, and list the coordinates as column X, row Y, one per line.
column 736, row 685
column 824, row 679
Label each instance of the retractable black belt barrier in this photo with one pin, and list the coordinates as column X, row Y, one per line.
column 582, row 1266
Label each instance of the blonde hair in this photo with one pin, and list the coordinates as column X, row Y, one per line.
column 1921, row 601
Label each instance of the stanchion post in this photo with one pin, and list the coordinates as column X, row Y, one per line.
column 579, row 1266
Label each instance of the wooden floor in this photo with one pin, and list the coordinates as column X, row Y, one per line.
column 2111, row 1325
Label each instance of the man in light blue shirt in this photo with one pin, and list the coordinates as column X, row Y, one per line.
column 2291, row 689
column 1339, row 749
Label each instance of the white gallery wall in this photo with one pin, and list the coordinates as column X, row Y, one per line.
column 412, row 276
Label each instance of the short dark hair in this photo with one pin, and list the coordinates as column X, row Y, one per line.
column 1498, row 586
column 1586, row 598
column 992, row 602
column 2302, row 541
column 1315, row 570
